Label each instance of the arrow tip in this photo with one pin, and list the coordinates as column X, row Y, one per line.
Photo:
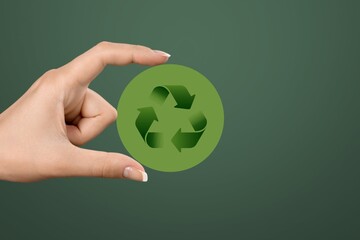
column 176, row 140
column 149, row 112
column 187, row 103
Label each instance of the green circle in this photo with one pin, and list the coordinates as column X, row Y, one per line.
column 189, row 130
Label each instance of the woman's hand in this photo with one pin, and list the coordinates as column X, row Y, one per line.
column 40, row 132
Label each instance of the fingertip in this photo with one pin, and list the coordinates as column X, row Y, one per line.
column 162, row 53
column 134, row 171
column 161, row 57
column 135, row 174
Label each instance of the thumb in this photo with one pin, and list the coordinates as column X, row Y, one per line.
column 89, row 163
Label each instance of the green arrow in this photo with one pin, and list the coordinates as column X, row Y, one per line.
column 180, row 93
column 186, row 139
column 181, row 96
column 143, row 122
column 190, row 139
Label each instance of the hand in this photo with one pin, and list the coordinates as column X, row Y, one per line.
column 40, row 133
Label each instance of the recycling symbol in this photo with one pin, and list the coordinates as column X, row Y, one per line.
column 184, row 100
column 170, row 117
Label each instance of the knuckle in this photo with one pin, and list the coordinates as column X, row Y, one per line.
column 112, row 113
column 50, row 74
column 49, row 80
column 140, row 48
column 102, row 45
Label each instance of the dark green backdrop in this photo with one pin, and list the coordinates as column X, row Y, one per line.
column 287, row 166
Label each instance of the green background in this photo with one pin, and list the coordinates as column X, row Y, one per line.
column 287, row 166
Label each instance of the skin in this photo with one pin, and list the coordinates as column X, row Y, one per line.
column 42, row 131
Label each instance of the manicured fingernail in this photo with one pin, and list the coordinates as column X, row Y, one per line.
column 162, row 53
column 135, row 174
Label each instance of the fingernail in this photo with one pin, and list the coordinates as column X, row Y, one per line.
column 163, row 53
column 135, row 174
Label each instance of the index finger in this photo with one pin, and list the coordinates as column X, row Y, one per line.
column 87, row 66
